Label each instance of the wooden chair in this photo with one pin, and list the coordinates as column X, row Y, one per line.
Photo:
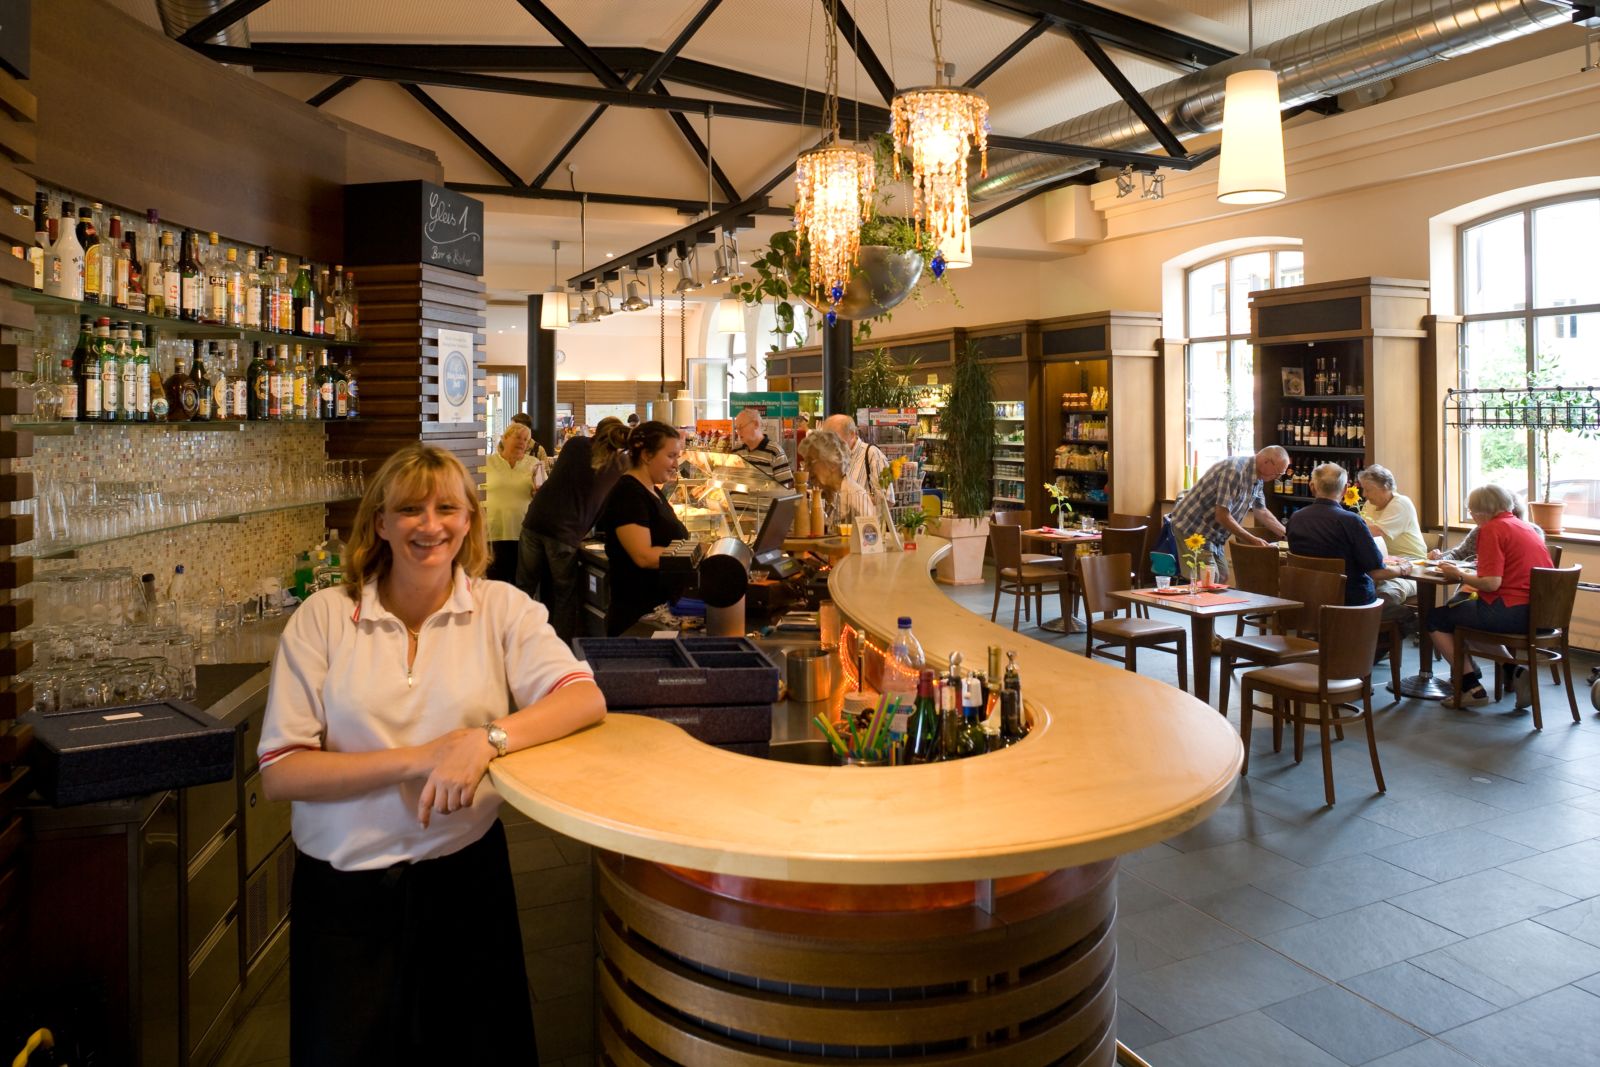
column 1315, row 590
column 1555, row 554
column 1390, row 627
column 1012, row 575
column 1255, row 570
column 1023, row 520
column 1103, row 575
column 1550, row 595
column 1342, row 672
column 1152, row 531
column 1129, row 541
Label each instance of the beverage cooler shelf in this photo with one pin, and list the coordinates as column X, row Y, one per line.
column 71, row 549
column 69, row 428
column 174, row 327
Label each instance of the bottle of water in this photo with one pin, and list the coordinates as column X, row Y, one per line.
column 901, row 671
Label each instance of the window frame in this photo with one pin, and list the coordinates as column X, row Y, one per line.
column 1530, row 316
column 1226, row 339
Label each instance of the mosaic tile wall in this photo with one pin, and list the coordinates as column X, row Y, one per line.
column 251, row 462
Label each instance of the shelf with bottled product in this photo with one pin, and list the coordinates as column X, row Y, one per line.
column 174, row 327
column 73, row 427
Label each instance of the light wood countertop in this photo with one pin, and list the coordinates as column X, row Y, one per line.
column 1115, row 762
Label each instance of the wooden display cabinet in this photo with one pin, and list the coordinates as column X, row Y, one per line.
column 1360, row 341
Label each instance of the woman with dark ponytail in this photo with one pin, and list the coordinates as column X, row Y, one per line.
column 639, row 523
column 561, row 514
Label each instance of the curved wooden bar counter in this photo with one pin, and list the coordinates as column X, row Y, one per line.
column 996, row 944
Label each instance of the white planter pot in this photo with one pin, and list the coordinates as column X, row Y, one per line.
column 963, row 564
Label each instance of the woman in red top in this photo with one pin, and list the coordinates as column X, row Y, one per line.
column 1508, row 550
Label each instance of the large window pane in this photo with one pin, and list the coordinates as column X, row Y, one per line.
column 1497, row 456
column 1574, row 466
column 1494, row 354
column 1565, row 240
column 1208, row 401
column 1242, row 399
column 1492, row 264
column 1291, row 269
column 1208, row 311
column 1250, row 273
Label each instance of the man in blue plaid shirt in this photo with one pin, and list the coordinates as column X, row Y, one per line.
column 1217, row 505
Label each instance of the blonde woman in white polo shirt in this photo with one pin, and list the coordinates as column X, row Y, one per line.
column 388, row 701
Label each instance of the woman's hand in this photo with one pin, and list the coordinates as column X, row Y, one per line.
column 1450, row 570
column 1436, row 553
column 460, row 759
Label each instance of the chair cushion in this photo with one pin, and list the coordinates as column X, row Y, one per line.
column 1034, row 572
column 1048, row 558
column 1269, row 648
column 1137, row 629
column 1299, row 679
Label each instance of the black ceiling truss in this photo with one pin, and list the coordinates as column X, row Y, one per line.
column 333, row 90
column 1009, row 52
column 464, row 135
column 849, row 127
column 1130, row 96
column 218, row 21
column 1121, row 31
column 858, row 44
column 678, row 204
column 566, row 149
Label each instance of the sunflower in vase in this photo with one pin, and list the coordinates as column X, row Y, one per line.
column 1197, row 557
column 1062, row 505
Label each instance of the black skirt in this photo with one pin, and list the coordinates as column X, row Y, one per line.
column 419, row 963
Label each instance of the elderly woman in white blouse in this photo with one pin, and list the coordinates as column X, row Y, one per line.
column 827, row 458
column 508, row 486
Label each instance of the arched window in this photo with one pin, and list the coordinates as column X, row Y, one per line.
column 1221, row 391
column 1530, row 304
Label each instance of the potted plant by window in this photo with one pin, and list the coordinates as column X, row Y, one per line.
column 1545, row 413
column 967, row 423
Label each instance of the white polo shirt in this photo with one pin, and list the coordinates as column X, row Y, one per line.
column 339, row 683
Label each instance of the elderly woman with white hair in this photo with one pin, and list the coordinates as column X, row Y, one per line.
column 1508, row 551
column 1394, row 518
column 827, row 457
column 508, row 486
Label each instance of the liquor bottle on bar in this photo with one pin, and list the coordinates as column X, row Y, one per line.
column 86, row 372
column 305, row 302
column 221, row 387
column 352, row 392
column 181, row 399
column 951, row 726
column 201, row 380
column 110, row 372
column 1013, row 728
column 324, row 385
column 256, row 385
column 922, row 728
column 973, row 741
column 215, row 267
column 41, row 239
column 89, row 240
column 141, row 374
column 192, row 284
column 300, row 388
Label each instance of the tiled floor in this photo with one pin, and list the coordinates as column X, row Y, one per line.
column 1454, row 921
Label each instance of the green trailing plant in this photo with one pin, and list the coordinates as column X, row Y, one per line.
column 876, row 381
column 967, row 423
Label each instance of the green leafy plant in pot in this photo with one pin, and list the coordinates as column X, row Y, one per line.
column 877, row 381
column 967, row 423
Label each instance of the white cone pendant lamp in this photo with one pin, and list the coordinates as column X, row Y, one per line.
column 1251, row 171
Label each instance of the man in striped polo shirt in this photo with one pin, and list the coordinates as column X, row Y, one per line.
column 755, row 449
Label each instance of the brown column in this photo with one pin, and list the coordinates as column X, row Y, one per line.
column 17, row 141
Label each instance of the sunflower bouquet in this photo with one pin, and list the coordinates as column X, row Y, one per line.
column 1196, row 555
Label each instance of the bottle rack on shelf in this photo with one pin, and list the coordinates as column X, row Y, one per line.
column 1335, row 363
column 1010, row 482
column 174, row 327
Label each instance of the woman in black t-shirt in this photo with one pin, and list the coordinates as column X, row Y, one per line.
column 638, row 524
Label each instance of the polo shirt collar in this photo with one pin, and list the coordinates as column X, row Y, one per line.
column 459, row 602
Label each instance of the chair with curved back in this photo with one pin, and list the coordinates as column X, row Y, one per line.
column 1012, row 575
column 1297, row 629
column 1123, row 541
column 1390, row 627
column 1103, row 575
column 1342, row 672
column 1255, row 570
column 1551, row 592
column 1152, row 531
column 1021, row 518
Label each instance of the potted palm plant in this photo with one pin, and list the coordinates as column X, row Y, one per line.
column 967, row 423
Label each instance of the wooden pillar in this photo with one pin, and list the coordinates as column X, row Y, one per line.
column 18, row 112
column 837, row 357
column 541, row 376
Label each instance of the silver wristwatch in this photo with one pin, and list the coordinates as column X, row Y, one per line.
column 497, row 737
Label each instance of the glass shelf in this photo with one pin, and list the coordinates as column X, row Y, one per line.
column 59, row 305
column 65, row 428
column 71, row 549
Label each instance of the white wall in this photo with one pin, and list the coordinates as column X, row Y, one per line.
column 622, row 347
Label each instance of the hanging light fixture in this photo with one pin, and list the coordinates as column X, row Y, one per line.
column 577, row 298
column 553, row 309
column 686, row 267
column 834, row 189
column 602, row 300
column 937, row 127
column 1251, row 171
column 730, row 315
column 633, row 301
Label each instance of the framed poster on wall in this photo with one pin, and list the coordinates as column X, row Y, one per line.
column 455, row 376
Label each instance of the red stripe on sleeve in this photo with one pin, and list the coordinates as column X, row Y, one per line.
column 571, row 679
column 268, row 758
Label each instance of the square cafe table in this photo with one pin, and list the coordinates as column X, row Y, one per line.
column 1203, row 609
column 1056, row 537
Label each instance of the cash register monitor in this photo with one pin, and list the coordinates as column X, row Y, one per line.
column 775, row 527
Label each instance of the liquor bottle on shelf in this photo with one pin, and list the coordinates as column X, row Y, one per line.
column 110, row 372
column 155, row 285
column 305, row 302
column 192, row 284
column 141, row 374
column 1334, row 386
column 221, row 387
column 215, row 266
column 339, row 307
column 284, row 288
column 341, row 392
column 160, row 406
column 351, row 390
column 89, row 239
column 117, row 279
column 1319, row 380
column 162, row 282
column 257, row 385
column 183, row 401
column 200, row 381
column 127, row 373
column 352, row 311
column 325, row 324
column 324, row 388
column 300, row 385
column 138, row 295
column 41, row 239
column 66, row 279
column 276, row 375
column 234, row 289
column 86, row 372
column 238, row 387
column 252, row 293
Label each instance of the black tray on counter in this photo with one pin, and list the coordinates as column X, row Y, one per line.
column 642, row 672
column 94, row 754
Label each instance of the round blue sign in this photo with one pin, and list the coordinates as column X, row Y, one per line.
column 457, row 378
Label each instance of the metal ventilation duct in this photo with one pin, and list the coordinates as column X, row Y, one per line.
column 1369, row 45
column 178, row 15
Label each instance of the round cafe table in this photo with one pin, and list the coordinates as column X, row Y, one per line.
column 1423, row 685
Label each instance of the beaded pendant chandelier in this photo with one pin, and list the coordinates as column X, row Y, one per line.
column 937, row 127
column 834, row 189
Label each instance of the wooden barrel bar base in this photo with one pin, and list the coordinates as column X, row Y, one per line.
column 691, row 976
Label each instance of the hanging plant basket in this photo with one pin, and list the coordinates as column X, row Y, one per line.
column 882, row 279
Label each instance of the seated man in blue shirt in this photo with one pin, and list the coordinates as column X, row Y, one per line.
column 1327, row 530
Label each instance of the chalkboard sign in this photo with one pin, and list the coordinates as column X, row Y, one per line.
column 405, row 222
column 16, row 36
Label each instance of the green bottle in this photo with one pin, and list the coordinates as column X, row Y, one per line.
column 922, row 728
